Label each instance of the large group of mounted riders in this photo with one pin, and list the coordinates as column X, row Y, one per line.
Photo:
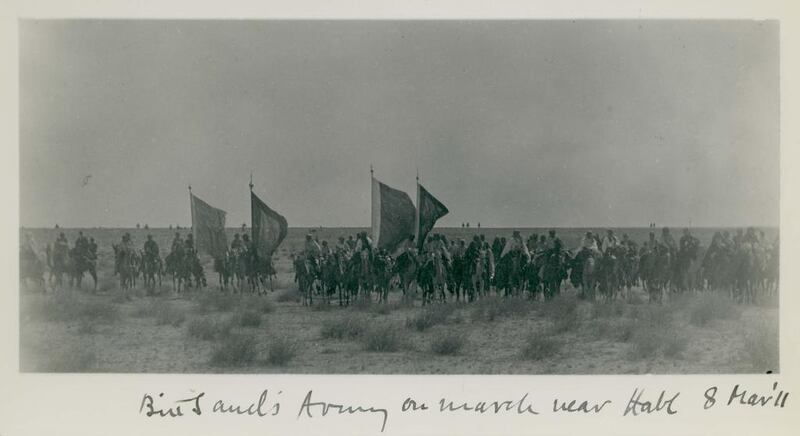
column 744, row 266
column 239, row 267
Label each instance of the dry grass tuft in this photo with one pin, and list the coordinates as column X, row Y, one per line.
column 281, row 351
column 249, row 318
column 236, row 351
column 761, row 347
column 448, row 343
column 212, row 301
column 66, row 308
column 563, row 311
column 430, row 316
column 344, row 327
column 709, row 307
column 289, row 296
column 492, row 308
column 540, row 345
column 383, row 338
column 207, row 330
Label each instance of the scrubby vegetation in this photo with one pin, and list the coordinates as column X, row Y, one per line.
column 344, row 327
column 383, row 338
column 237, row 350
column 448, row 343
column 281, row 351
column 540, row 345
column 431, row 316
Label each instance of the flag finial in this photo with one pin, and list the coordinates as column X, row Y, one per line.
column 371, row 172
column 190, row 188
column 251, row 181
column 417, row 174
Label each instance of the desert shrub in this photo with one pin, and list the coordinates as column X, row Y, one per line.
column 167, row 314
column 344, row 327
column 540, row 345
column 624, row 330
column 383, row 338
column 431, row 316
column 675, row 345
column 613, row 309
column 492, row 308
column 258, row 305
column 74, row 359
column 207, row 329
column 563, row 311
column 448, row 343
column 646, row 342
column 361, row 304
column 761, row 347
column 322, row 307
column 119, row 297
column 108, row 286
column 65, row 308
column 281, row 351
column 289, row 296
column 236, row 351
column 215, row 302
column 249, row 318
column 710, row 307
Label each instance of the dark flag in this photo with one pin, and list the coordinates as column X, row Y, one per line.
column 429, row 210
column 208, row 228
column 268, row 227
column 392, row 216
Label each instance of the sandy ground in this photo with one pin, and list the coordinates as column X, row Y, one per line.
column 136, row 343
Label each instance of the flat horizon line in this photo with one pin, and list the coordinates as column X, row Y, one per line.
column 438, row 227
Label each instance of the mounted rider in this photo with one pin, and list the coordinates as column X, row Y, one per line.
column 177, row 246
column 236, row 244
column 609, row 241
column 589, row 245
column 61, row 247
column 150, row 247
column 124, row 251
column 81, row 244
column 516, row 245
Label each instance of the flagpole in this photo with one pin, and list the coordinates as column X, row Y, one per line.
column 252, row 227
column 191, row 209
column 416, row 216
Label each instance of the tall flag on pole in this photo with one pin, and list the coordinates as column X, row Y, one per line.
column 268, row 227
column 429, row 210
column 393, row 215
column 208, row 227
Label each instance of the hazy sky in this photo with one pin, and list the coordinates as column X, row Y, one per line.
column 538, row 123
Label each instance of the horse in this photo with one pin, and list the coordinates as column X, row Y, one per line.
column 585, row 273
column 224, row 267
column 554, row 270
column 58, row 261
column 31, row 268
column 79, row 264
column 480, row 275
column 383, row 272
column 176, row 265
column 427, row 278
column 655, row 271
column 406, row 268
column 514, row 269
column 126, row 266
column 152, row 268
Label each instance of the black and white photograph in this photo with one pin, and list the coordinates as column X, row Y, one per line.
column 399, row 197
